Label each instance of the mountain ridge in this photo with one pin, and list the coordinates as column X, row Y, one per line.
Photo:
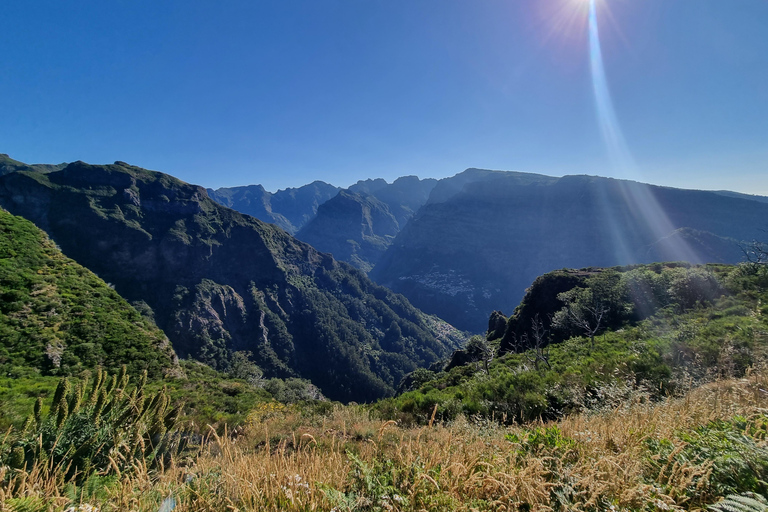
column 219, row 281
column 463, row 257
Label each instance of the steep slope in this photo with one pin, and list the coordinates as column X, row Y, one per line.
column 403, row 197
column 58, row 318
column 477, row 250
column 352, row 227
column 359, row 224
column 290, row 209
column 219, row 281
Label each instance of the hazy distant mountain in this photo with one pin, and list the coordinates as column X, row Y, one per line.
column 219, row 281
column 449, row 187
column 360, row 223
column 290, row 209
column 474, row 248
column 353, row 227
column 403, row 197
column 739, row 195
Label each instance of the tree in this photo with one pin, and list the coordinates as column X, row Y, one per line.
column 480, row 351
column 583, row 310
column 756, row 253
column 540, row 342
column 242, row 367
column 603, row 303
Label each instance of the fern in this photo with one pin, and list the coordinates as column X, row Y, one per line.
column 745, row 502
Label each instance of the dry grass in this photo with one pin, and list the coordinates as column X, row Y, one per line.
column 346, row 461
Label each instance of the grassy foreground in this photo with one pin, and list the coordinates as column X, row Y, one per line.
column 677, row 454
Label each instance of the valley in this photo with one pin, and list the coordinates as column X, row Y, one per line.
column 205, row 326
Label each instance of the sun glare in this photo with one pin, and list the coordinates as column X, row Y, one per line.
column 638, row 199
column 565, row 20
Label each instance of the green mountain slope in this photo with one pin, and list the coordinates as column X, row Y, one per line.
column 591, row 338
column 8, row 165
column 58, row 318
column 219, row 281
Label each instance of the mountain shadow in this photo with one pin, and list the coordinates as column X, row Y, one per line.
column 465, row 255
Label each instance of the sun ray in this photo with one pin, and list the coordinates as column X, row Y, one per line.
column 639, row 199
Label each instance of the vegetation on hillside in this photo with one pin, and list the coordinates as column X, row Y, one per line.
column 677, row 454
column 624, row 389
column 58, row 318
column 8, row 165
column 219, row 282
column 648, row 417
column 599, row 338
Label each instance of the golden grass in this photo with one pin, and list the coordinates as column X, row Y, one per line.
column 347, row 461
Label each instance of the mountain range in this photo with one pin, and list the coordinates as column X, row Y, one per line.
column 218, row 282
column 479, row 249
column 468, row 244
column 290, row 209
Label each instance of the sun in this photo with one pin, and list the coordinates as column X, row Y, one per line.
column 565, row 20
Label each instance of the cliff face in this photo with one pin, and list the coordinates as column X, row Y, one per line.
column 464, row 255
column 291, row 208
column 359, row 224
column 403, row 197
column 219, row 281
column 354, row 228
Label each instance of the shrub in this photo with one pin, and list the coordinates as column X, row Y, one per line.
column 95, row 427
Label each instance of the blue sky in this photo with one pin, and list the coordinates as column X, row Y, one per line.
column 283, row 92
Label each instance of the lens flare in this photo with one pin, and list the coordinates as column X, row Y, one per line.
column 606, row 114
column 639, row 199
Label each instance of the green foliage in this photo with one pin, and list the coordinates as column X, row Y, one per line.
column 548, row 441
column 745, row 502
column 242, row 367
column 97, row 426
column 293, row 390
column 668, row 327
column 219, row 282
column 211, row 398
column 691, row 287
column 372, row 487
column 738, row 457
column 58, row 318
